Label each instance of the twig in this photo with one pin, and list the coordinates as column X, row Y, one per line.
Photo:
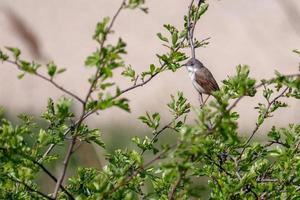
column 275, row 142
column 264, row 116
column 191, row 28
column 50, row 80
column 156, row 135
column 30, row 188
column 218, row 165
column 53, row 178
column 65, row 165
column 91, row 89
column 171, row 195
column 270, row 81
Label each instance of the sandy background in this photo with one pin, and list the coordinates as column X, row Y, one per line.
column 260, row 33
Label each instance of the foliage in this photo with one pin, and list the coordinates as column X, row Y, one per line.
column 236, row 168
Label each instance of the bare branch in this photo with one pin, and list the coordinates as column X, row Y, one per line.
column 65, row 165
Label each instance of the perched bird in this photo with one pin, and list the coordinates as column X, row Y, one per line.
column 201, row 77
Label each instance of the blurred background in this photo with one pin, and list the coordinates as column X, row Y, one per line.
column 261, row 34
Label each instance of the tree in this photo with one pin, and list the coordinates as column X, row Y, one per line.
column 212, row 148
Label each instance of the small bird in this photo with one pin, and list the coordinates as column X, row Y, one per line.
column 201, row 77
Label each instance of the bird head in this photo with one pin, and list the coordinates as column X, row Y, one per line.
column 193, row 63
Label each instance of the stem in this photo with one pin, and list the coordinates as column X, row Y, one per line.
column 270, row 81
column 65, row 165
column 191, row 28
column 53, row 178
column 264, row 116
column 171, row 195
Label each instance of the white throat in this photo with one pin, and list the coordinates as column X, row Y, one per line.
column 191, row 71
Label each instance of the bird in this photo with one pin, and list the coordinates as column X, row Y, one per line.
column 202, row 78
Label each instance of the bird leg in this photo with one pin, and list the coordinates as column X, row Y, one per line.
column 205, row 100
column 201, row 99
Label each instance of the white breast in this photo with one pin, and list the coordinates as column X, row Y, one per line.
column 192, row 72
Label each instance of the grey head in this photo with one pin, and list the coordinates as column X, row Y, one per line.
column 193, row 63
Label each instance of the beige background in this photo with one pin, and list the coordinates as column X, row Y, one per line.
column 260, row 33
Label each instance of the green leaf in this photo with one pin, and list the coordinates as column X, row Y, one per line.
column 123, row 104
column 161, row 37
column 104, row 86
column 152, row 121
column 51, row 67
column 296, row 51
column 20, row 76
column 61, row 70
column 93, row 60
column 152, row 69
column 101, row 30
column 16, row 52
column 274, row 134
column 174, row 38
column 3, row 56
column 202, row 10
column 129, row 72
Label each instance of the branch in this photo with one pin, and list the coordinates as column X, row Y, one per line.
column 171, row 195
column 97, row 73
column 50, row 80
column 191, row 28
column 218, row 165
column 267, row 112
column 30, row 188
column 53, row 178
column 270, row 81
column 156, row 135
column 65, row 165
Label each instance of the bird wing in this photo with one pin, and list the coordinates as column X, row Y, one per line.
column 206, row 80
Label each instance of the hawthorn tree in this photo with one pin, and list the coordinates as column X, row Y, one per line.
column 235, row 167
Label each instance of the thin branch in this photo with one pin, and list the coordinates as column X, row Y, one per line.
column 97, row 73
column 276, row 142
column 65, row 165
column 53, row 178
column 270, row 81
column 156, row 135
column 267, row 112
column 30, row 188
column 171, row 195
column 218, row 165
column 50, row 80
column 191, row 28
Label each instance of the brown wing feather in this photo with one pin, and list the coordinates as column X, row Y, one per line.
column 206, row 80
